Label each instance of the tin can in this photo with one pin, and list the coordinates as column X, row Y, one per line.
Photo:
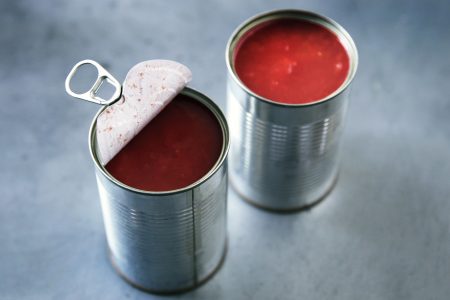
column 284, row 157
column 166, row 242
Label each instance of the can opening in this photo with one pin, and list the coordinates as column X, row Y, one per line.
column 319, row 27
column 182, row 154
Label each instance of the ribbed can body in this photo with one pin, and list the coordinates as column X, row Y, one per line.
column 284, row 157
column 167, row 242
column 283, row 163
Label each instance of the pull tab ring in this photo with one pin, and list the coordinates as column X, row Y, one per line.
column 91, row 94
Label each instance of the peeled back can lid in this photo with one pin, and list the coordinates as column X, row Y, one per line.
column 148, row 87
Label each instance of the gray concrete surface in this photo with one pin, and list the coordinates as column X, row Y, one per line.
column 383, row 233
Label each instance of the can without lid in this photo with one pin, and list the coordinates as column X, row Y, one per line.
column 284, row 157
column 166, row 242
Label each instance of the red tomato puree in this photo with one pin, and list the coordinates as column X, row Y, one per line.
column 177, row 148
column 291, row 61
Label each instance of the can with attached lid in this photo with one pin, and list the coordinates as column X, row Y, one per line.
column 284, row 156
column 169, row 241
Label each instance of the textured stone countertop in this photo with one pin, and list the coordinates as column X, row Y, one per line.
column 383, row 233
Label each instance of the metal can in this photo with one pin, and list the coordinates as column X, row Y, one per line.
column 284, row 157
column 166, row 242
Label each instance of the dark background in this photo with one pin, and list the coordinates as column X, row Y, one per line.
column 383, row 233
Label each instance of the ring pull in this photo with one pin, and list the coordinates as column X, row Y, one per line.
column 91, row 94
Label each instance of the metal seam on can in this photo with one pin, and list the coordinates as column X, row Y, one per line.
column 194, row 264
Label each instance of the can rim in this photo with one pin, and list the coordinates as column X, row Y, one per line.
column 205, row 100
column 329, row 23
